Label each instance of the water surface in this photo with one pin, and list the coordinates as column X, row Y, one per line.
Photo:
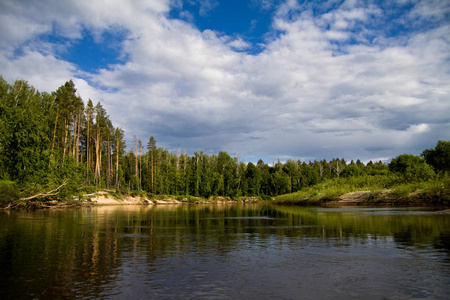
column 225, row 252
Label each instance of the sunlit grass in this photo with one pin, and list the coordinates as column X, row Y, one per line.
column 434, row 191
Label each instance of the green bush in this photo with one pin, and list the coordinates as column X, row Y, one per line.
column 411, row 167
column 437, row 191
column 439, row 157
column 402, row 191
column 8, row 192
column 351, row 171
column 266, row 198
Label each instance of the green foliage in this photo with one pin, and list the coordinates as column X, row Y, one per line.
column 411, row 167
column 402, row 191
column 254, row 177
column 436, row 191
column 331, row 189
column 25, row 135
column 46, row 138
column 439, row 157
column 9, row 192
column 351, row 171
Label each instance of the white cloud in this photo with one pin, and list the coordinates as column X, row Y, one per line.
column 303, row 96
column 238, row 44
column 431, row 9
column 44, row 72
column 420, row 128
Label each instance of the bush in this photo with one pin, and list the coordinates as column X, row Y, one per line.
column 351, row 171
column 266, row 197
column 439, row 157
column 437, row 191
column 411, row 167
column 403, row 191
column 8, row 192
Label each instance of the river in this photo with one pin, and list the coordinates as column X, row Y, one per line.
column 225, row 252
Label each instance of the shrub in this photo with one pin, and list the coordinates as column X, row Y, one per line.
column 439, row 157
column 411, row 167
column 350, row 171
column 8, row 192
column 437, row 191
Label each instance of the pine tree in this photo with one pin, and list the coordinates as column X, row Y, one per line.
column 151, row 146
column 101, row 119
column 120, row 145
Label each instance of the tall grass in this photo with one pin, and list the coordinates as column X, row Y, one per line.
column 433, row 191
column 436, row 191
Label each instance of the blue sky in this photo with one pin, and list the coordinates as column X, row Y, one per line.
column 249, row 20
column 89, row 53
column 270, row 79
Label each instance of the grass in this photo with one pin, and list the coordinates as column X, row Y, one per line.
column 380, row 188
column 436, row 192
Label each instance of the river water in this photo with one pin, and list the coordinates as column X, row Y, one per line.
column 225, row 252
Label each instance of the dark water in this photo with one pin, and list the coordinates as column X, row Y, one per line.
column 225, row 252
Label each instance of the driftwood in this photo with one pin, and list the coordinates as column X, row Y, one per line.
column 45, row 194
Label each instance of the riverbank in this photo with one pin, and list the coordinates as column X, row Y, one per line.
column 379, row 190
column 104, row 198
column 382, row 190
column 379, row 197
column 383, row 197
column 359, row 198
column 111, row 198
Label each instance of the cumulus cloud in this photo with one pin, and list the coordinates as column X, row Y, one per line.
column 238, row 44
column 331, row 84
column 44, row 71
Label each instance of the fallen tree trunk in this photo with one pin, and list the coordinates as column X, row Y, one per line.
column 45, row 194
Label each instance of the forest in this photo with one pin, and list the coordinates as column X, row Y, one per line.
column 57, row 146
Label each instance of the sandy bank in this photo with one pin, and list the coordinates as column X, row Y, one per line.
column 104, row 198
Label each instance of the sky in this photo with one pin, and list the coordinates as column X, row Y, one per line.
column 258, row 79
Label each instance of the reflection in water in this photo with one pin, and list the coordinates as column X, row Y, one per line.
column 224, row 251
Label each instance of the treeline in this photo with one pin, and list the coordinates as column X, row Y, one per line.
column 46, row 138
column 222, row 175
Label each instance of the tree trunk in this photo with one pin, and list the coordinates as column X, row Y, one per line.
column 46, row 194
column 140, row 165
column 72, row 137
column 78, row 136
column 65, row 140
column 136, row 159
column 111, row 169
column 151, row 161
column 338, row 169
column 97, row 155
column 88, row 137
column 108, row 169
column 117, row 159
column 54, row 131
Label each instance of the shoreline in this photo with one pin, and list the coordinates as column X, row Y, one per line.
column 368, row 198
column 109, row 198
column 104, row 199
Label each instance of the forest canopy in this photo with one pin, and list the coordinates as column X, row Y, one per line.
column 54, row 139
